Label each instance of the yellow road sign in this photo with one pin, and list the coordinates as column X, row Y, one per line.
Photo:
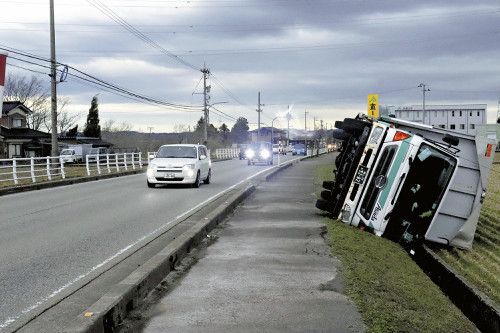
column 373, row 105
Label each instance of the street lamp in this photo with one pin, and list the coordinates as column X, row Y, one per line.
column 423, row 85
column 205, row 133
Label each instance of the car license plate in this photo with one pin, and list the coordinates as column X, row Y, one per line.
column 361, row 175
column 255, row 159
column 169, row 175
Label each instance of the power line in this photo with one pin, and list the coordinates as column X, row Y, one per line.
column 115, row 17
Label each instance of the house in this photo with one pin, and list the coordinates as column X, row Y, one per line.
column 16, row 139
column 268, row 134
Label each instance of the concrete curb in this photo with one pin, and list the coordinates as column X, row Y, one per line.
column 109, row 310
column 475, row 305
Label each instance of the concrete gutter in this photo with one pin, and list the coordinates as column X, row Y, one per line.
column 473, row 303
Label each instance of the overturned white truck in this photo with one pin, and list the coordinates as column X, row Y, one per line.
column 408, row 181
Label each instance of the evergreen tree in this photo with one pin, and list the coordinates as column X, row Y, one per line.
column 239, row 132
column 92, row 127
column 73, row 132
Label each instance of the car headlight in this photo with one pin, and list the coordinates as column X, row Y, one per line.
column 189, row 169
column 265, row 153
column 152, row 166
column 249, row 153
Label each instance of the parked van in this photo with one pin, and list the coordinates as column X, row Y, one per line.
column 403, row 180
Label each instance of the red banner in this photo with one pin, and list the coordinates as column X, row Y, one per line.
column 3, row 60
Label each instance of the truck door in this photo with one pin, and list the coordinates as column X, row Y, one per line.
column 427, row 182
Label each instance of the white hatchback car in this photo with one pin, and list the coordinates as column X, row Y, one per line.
column 180, row 164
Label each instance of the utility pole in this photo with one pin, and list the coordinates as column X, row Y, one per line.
column 206, row 97
column 305, row 120
column 423, row 85
column 54, row 150
column 259, row 110
column 288, row 117
column 314, row 123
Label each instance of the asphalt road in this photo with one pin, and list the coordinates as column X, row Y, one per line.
column 51, row 240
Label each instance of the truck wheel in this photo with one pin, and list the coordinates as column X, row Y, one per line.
column 338, row 124
column 341, row 135
column 352, row 125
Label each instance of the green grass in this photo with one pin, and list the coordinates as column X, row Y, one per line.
column 389, row 289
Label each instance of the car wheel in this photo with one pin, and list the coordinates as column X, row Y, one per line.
column 197, row 182
column 209, row 176
column 151, row 185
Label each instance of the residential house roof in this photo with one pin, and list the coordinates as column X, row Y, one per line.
column 9, row 106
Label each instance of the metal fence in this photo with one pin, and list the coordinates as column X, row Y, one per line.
column 116, row 162
column 31, row 168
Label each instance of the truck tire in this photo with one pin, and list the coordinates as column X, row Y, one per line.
column 353, row 125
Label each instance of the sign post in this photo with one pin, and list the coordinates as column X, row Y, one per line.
column 373, row 105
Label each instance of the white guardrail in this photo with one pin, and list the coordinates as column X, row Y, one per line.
column 112, row 161
column 16, row 169
column 227, row 153
column 49, row 168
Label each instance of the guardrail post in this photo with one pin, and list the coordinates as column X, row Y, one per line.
column 117, row 163
column 32, row 164
column 125, row 160
column 14, row 171
column 63, row 174
column 49, row 176
column 107, row 163
column 87, row 165
column 140, row 160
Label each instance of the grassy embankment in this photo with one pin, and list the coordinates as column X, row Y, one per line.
column 390, row 290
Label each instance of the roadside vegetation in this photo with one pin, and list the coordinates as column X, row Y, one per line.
column 389, row 289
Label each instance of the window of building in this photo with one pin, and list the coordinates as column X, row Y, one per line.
column 442, row 113
column 418, row 114
column 470, row 114
column 460, row 113
column 435, row 114
column 17, row 123
column 452, row 126
column 453, row 113
column 462, row 126
column 442, row 126
column 408, row 114
column 472, row 126
column 478, row 113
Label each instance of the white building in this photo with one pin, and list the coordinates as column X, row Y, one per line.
column 459, row 118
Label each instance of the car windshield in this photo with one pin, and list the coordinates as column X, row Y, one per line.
column 177, row 152
column 66, row 152
column 276, row 146
column 299, row 147
column 259, row 146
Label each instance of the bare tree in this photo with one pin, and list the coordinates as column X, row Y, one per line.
column 33, row 93
column 108, row 125
column 65, row 120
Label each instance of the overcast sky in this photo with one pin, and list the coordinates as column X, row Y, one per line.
column 322, row 57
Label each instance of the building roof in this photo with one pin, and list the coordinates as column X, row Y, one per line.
column 23, row 133
column 9, row 106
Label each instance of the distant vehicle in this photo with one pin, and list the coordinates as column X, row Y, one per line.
column 74, row 153
column 241, row 150
column 259, row 152
column 299, row 149
column 289, row 148
column 180, row 164
column 277, row 149
column 97, row 153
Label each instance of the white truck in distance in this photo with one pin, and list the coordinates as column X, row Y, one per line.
column 74, row 153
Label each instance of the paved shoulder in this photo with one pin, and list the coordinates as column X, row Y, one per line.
column 270, row 269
